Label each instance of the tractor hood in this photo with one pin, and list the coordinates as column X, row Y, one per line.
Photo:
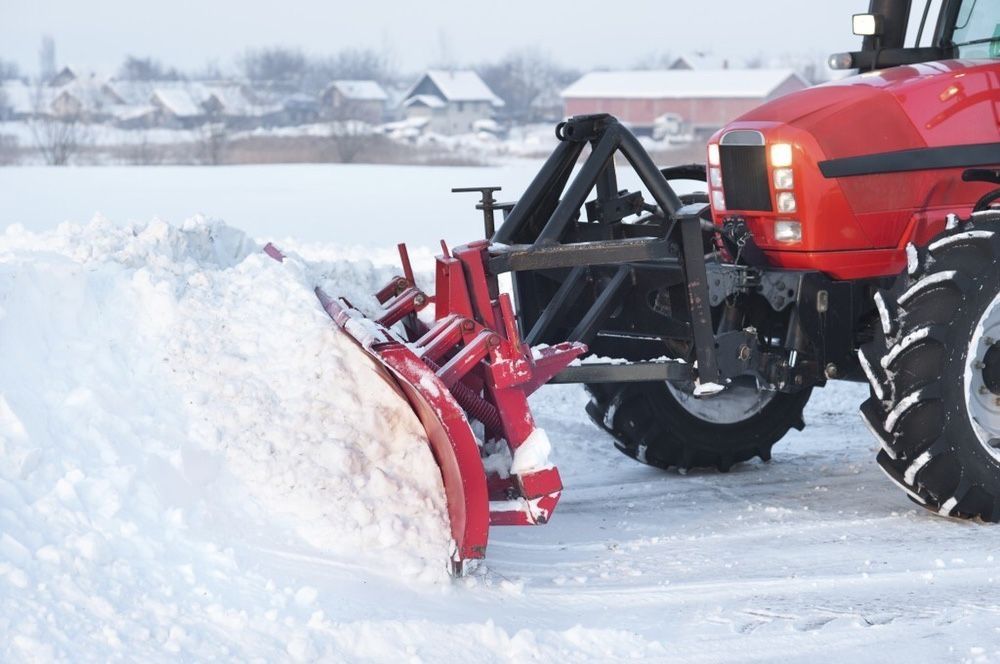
column 894, row 109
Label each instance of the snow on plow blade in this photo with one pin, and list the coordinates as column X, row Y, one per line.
column 466, row 365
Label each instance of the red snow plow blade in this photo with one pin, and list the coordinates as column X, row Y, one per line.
column 466, row 366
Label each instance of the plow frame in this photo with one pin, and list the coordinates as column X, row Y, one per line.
column 465, row 366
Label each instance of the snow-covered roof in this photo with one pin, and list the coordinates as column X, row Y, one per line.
column 231, row 98
column 177, row 101
column 125, row 113
column 681, row 83
column 429, row 101
column 459, row 85
column 134, row 92
column 359, row 90
column 88, row 92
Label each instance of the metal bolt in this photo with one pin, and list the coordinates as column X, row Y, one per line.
column 989, row 341
column 831, row 370
column 744, row 353
column 419, row 299
column 798, row 380
column 493, row 341
column 468, row 325
column 979, row 365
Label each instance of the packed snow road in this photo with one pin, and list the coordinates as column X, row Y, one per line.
column 194, row 466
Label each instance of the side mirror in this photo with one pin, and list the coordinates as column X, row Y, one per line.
column 868, row 25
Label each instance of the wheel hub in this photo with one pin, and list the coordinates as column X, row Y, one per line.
column 991, row 369
column 982, row 379
column 740, row 401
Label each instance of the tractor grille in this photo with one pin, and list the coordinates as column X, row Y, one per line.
column 744, row 177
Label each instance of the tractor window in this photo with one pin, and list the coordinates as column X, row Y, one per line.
column 977, row 29
column 920, row 29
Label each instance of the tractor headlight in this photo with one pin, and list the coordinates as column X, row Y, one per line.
column 786, row 202
column 715, row 176
column 781, row 155
column 784, row 178
column 713, row 154
column 718, row 200
column 787, row 231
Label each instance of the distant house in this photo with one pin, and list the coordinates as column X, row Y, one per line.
column 355, row 100
column 73, row 93
column 452, row 101
column 299, row 109
column 702, row 101
column 176, row 108
column 235, row 105
column 184, row 104
column 64, row 76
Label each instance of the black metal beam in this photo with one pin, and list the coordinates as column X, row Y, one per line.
column 696, row 275
column 554, row 311
column 541, row 195
column 633, row 372
column 606, row 252
column 647, row 171
column 604, row 304
column 576, row 192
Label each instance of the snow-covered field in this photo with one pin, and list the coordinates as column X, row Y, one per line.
column 194, row 466
column 350, row 205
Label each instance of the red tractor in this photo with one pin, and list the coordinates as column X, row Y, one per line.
column 849, row 231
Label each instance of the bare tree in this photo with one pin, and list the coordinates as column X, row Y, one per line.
column 146, row 69
column 662, row 60
column 9, row 70
column 58, row 137
column 210, row 71
column 276, row 64
column 352, row 139
column 521, row 77
column 351, row 64
column 351, row 136
column 213, row 144
column 142, row 151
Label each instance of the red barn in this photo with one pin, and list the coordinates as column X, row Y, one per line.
column 701, row 100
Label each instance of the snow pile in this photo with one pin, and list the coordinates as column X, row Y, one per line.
column 169, row 394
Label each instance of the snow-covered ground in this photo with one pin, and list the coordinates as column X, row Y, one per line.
column 350, row 205
column 193, row 465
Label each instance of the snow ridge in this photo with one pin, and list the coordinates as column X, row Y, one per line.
column 172, row 401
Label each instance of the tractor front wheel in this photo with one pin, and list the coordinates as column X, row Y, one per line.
column 934, row 370
column 666, row 426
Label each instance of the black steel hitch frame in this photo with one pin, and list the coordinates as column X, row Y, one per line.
column 542, row 234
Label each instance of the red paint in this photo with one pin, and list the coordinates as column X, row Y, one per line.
column 859, row 227
column 470, row 364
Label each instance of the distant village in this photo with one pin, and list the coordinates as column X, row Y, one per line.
column 441, row 112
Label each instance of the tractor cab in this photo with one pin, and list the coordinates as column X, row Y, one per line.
column 903, row 32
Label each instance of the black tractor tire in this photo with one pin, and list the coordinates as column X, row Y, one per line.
column 651, row 425
column 933, row 375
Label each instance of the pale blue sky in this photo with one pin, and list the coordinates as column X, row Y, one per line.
column 187, row 33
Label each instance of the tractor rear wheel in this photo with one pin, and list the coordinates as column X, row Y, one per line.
column 666, row 426
column 934, row 371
